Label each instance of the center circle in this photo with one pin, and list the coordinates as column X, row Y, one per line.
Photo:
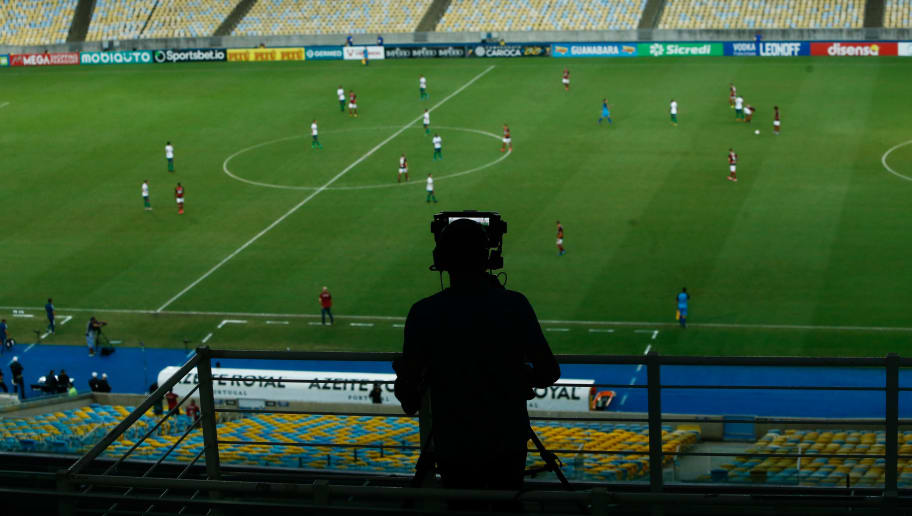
column 883, row 160
column 418, row 172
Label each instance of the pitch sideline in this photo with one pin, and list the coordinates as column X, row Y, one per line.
column 317, row 192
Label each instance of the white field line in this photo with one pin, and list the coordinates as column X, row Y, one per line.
column 29, row 348
column 206, row 338
column 362, row 324
column 317, row 192
column 66, row 319
column 229, row 321
column 883, row 160
column 27, row 316
column 814, row 327
column 558, row 329
column 639, row 367
column 600, row 330
column 654, row 335
column 398, row 325
column 278, row 322
column 4, row 104
column 314, row 323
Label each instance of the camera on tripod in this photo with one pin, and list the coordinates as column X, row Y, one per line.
column 494, row 227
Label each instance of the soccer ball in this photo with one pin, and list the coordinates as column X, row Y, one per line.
column 757, row 131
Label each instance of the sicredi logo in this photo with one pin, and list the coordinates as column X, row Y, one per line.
column 780, row 49
column 656, row 49
column 681, row 50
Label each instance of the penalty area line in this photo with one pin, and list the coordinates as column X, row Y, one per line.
column 316, row 192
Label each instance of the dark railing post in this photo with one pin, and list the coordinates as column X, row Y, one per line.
column 654, row 398
column 892, row 425
column 207, row 413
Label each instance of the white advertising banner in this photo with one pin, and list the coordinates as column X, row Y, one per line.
column 339, row 387
column 905, row 48
column 357, row 53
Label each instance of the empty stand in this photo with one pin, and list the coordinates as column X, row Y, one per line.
column 756, row 14
column 119, row 19
column 493, row 15
column 898, row 14
column 290, row 17
column 187, row 18
column 36, row 22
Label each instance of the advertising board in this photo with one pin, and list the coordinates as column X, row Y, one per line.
column 323, row 53
column 344, row 387
column 904, row 48
column 357, row 53
column 658, row 49
column 767, row 48
column 119, row 57
column 594, row 50
column 509, row 51
column 265, row 54
column 854, row 49
column 424, row 52
column 4, row 60
column 56, row 59
column 190, row 55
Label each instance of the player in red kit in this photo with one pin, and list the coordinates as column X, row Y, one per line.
column 560, row 240
column 732, row 161
column 352, row 104
column 566, row 79
column 403, row 168
column 776, row 122
column 507, row 142
column 732, row 93
column 179, row 197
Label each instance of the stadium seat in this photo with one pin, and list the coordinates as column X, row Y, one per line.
column 36, row 22
column 491, row 15
column 187, row 18
column 290, row 17
column 118, row 19
column 750, row 14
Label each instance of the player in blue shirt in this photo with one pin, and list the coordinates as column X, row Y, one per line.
column 606, row 112
column 49, row 308
column 682, row 298
column 3, row 335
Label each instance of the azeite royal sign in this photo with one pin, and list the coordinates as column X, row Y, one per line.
column 854, row 49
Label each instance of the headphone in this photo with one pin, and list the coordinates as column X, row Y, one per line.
column 443, row 250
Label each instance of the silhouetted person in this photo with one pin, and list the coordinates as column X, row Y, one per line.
column 63, row 382
column 478, row 351
column 50, row 383
column 18, row 381
column 376, row 395
column 93, row 382
column 3, row 383
column 103, row 385
column 157, row 408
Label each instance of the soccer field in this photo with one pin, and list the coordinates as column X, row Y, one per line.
column 806, row 254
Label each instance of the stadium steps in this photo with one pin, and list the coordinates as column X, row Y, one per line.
column 652, row 13
column 874, row 14
column 148, row 19
column 81, row 20
column 433, row 16
column 234, row 17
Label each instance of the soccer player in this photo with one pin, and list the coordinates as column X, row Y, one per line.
column 145, row 195
column 748, row 113
column 565, row 79
column 341, row 94
column 438, row 147
column 606, row 112
column 315, row 144
column 430, row 189
column 4, row 336
column 364, row 59
column 682, row 299
column 732, row 162
column 422, row 87
column 403, row 168
column 169, row 155
column 674, row 112
column 776, row 122
column 560, row 240
column 352, row 104
column 732, row 94
column 179, row 197
column 49, row 310
column 427, row 122
column 326, row 302
column 739, row 108
column 506, row 139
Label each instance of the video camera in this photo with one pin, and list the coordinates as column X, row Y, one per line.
column 494, row 226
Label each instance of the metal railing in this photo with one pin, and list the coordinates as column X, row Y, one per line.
column 76, row 483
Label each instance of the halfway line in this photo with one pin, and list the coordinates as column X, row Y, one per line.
column 315, row 192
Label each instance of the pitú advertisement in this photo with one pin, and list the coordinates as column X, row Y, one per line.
column 593, row 50
column 323, row 53
column 509, row 51
column 119, row 57
column 265, row 54
column 424, row 52
column 854, row 49
column 190, row 55
column 659, row 49
column 768, row 48
column 57, row 59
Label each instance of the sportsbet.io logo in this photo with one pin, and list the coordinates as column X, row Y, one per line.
column 656, row 49
column 159, row 56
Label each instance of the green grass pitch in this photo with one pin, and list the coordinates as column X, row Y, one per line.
column 815, row 234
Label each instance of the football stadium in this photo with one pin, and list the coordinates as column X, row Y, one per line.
column 641, row 256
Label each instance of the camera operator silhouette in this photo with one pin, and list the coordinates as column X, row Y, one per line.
column 476, row 350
